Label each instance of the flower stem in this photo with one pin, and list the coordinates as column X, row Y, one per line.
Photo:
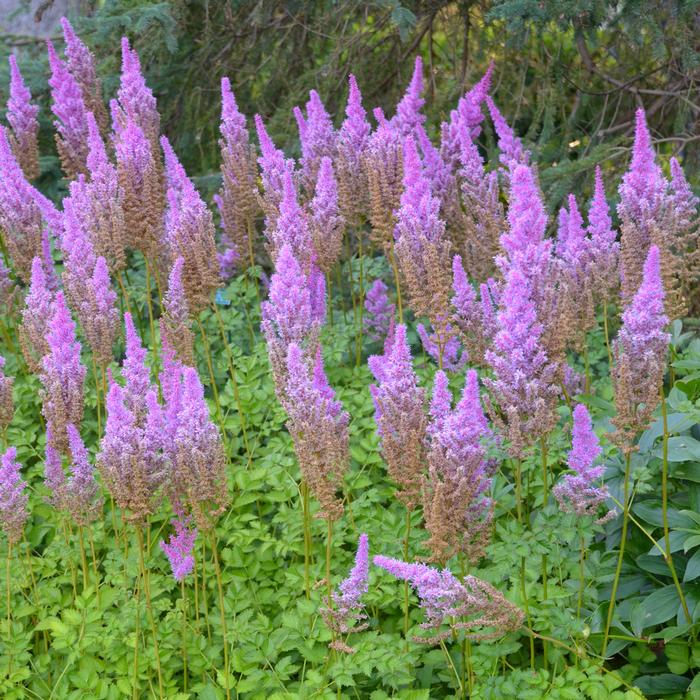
column 83, row 557
column 664, row 508
column 214, row 389
column 149, row 610
column 8, row 601
column 307, row 537
column 607, row 334
column 405, row 583
column 397, row 281
column 222, row 613
column 621, row 555
column 184, row 632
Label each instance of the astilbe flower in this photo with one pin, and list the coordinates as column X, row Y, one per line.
column 422, row 249
column 22, row 212
column 136, row 100
column 7, row 405
column 383, row 170
column 100, row 202
column 325, row 221
column 13, row 497
column 473, row 318
column 189, row 232
column 291, row 227
column 319, row 430
column 511, row 148
column 446, row 354
column 573, row 382
column 228, row 259
column 318, row 139
column 642, row 201
column 176, row 317
column 81, row 489
column 456, row 509
column 35, row 318
column 52, row 281
column 290, row 315
column 640, row 355
column 139, row 177
column 603, row 247
column 54, row 476
column 71, row 121
column 483, row 610
column 399, row 404
column 131, row 460
column 408, row 112
column 98, row 313
column 197, row 476
column 274, row 166
column 484, row 218
column 22, row 116
column 237, row 200
column 524, row 376
column 353, row 139
column 62, row 376
column 577, row 492
column 8, row 288
column 379, row 312
column 81, row 64
column 466, row 119
column 684, row 232
column 346, row 614
column 78, row 252
column 180, row 547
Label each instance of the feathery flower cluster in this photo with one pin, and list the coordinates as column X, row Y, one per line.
column 317, row 136
column 325, row 221
column 476, row 605
column 81, row 64
column 510, row 146
column 22, row 212
column 456, row 509
column 274, row 166
column 604, row 249
column 353, row 138
column 383, row 167
column 197, row 462
column 294, row 313
column 347, row 615
column 319, row 428
column 71, row 116
column 7, row 405
column 139, row 177
column 445, row 352
column 524, row 377
column 62, row 376
column 291, row 226
column 22, row 116
column 175, row 323
column 379, row 312
column 81, row 489
column 189, row 232
column 422, row 249
column 179, row 548
column 399, row 404
column 131, row 460
column 237, row 199
column 100, row 201
column 13, row 498
column 408, row 112
column 577, row 492
column 640, row 355
column 136, row 100
column 35, row 318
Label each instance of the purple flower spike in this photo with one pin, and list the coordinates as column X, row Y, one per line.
column 484, row 611
column 449, row 356
column 71, row 116
column 137, row 376
column 379, row 312
column 348, row 607
column 176, row 319
column 510, row 146
column 81, row 488
column 63, row 375
column 291, row 227
column 179, row 549
column 7, row 406
column 527, row 217
column 640, row 355
column 13, row 498
column 602, row 244
column 35, row 318
column 22, row 116
column 408, row 111
column 317, row 136
column 577, row 492
column 327, row 224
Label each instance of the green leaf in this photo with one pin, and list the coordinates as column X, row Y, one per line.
column 659, row 606
column 663, row 684
column 692, row 569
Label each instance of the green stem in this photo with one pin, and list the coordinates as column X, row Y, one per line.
column 184, row 632
column 523, row 591
column 607, row 334
column 621, row 555
column 664, row 508
column 587, row 367
column 214, row 389
column 8, row 601
column 149, row 610
column 83, row 557
column 519, row 489
column 405, row 586
column 222, row 613
column 360, row 303
column 307, row 538
column 397, row 282
column 452, row 666
column 151, row 321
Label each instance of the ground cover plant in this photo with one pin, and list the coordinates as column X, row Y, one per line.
column 372, row 423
